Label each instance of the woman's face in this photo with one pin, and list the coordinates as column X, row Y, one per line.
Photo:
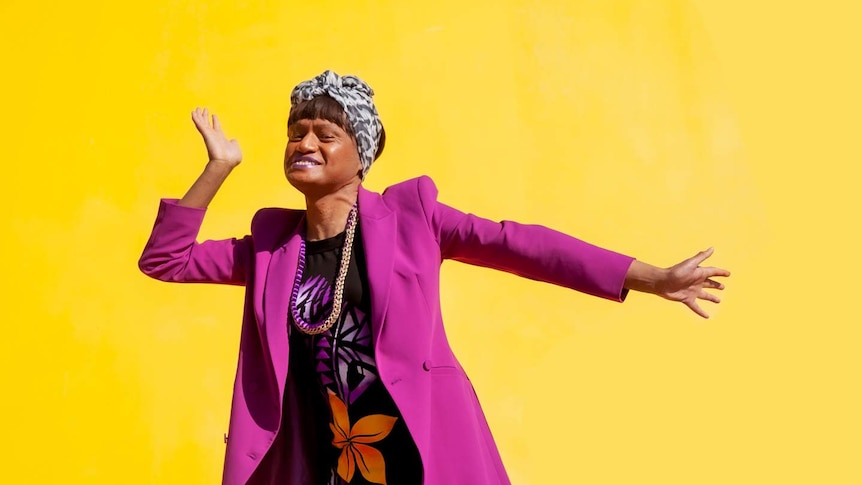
column 320, row 157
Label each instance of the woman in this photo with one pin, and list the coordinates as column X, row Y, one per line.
column 345, row 374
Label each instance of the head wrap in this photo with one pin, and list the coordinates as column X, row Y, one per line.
column 354, row 95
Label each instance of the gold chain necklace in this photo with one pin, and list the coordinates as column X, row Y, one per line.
column 341, row 277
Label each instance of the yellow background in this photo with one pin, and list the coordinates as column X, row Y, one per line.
column 657, row 128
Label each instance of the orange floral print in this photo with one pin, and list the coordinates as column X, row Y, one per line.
column 353, row 442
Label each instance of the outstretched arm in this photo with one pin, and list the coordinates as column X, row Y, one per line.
column 543, row 254
column 172, row 252
column 684, row 282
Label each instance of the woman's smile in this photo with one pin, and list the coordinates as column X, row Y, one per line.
column 304, row 162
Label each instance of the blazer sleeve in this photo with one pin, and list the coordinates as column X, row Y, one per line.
column 173, row 253
column 530, row 251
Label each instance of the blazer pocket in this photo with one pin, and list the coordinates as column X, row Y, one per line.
column 441, row 369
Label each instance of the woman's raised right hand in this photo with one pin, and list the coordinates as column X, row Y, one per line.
column 219, row 148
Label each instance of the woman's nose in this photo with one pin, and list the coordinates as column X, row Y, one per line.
column 308, row 143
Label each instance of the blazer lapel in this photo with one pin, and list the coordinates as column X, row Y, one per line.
column 378, row 228
column 280, row 276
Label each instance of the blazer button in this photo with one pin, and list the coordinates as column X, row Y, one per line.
column 426, row 365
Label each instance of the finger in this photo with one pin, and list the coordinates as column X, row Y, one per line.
column 713, row 271
column 197, row 120
column 216, row 123
column 701, row 256
column 696, row 309
column 713, row 285
column 709, row 297
column 206, row 116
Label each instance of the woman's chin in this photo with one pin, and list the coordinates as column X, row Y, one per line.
column 301, row 175
column 305, row 181
column 314, row 181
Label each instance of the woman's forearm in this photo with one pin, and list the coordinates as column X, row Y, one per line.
column 201, row 193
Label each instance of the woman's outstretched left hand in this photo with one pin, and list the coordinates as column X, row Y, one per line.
column 685, row 282
column 688, row 281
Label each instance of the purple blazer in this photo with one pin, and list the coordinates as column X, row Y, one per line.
column 406, row 234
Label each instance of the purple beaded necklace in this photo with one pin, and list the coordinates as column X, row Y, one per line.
column 318, row 328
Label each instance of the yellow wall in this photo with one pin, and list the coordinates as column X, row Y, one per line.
column 656, row 128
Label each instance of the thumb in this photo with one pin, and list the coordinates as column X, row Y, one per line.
column 701, row 256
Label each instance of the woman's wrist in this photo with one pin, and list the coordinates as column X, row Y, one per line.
column 645, row 278
column 219, row 165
